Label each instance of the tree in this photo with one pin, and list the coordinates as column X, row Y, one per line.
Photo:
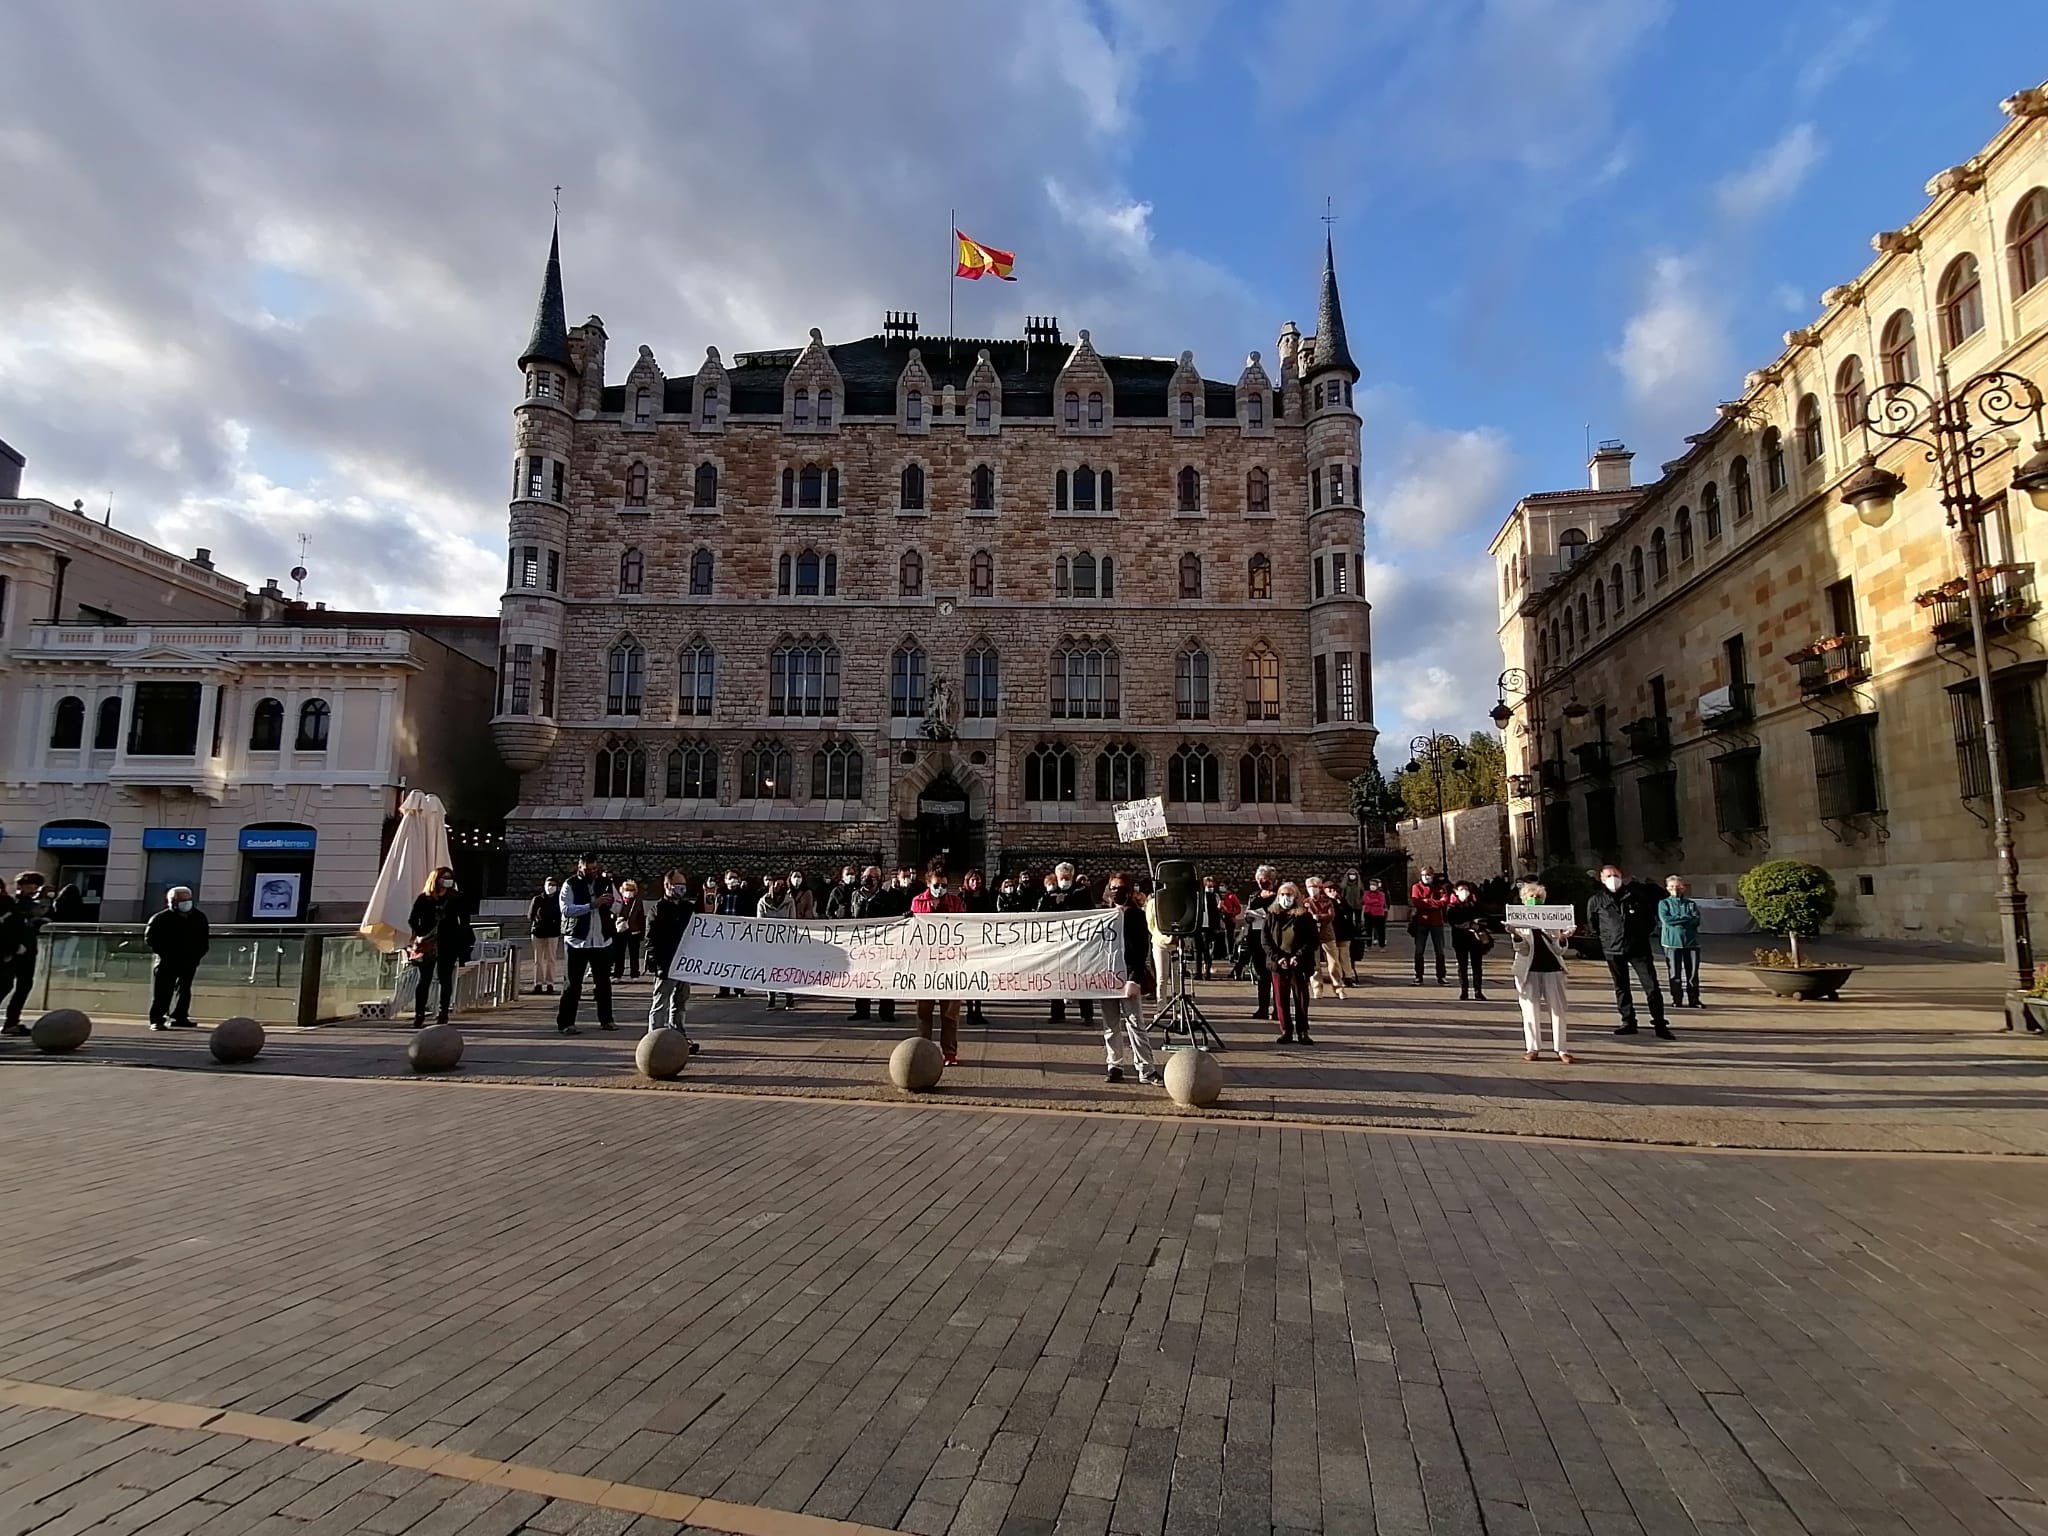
column 1375, row 802
column 1482, row 781
column 1789, row 897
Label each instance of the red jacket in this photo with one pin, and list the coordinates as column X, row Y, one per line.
column 924, row 901
column 1373, row 903
column 1426, row 905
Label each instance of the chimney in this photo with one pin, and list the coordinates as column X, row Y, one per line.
column 1608, row 467
column 10, row 473
column 203, row 558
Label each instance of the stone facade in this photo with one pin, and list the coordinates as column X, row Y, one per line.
column 937, row 487
column 1782, row 680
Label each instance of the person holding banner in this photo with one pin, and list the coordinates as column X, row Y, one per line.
column 1539, row 981
column 873, row 900
column 975, row 896
column 1066, row 894
column 778, row 902
column 669, row 1005
column 937, row 896
column 1137, row 931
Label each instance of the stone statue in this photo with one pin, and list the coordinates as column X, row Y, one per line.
column 938, row 709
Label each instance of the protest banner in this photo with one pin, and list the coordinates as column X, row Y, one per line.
column 985, row 955
column 1139, row 821
column 1551, row 919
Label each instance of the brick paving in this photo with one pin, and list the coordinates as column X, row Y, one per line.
column 982, row 1322
column 1913, row 1059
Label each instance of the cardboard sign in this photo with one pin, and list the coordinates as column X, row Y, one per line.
column 1137, row 820
column 1551, row 919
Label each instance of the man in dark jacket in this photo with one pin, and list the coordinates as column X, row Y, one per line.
column 177, row 936
column 873, row 900
column 27, row 913
column 1067, row 893
column 586, row 901
column 666, row 921
column 544, row 923
column 839, row 900
column 734, row 900
column 1623, row 916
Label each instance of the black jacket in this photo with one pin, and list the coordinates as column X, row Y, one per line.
column 1625, row 921
column 177, row 939
column 1137, row 942
column 839, row 901
column 892, row 901
column 1292, row 936
column 873, row 903
column 666, row 920
column 544, row 916
column 1074, row 898
column 447, row 920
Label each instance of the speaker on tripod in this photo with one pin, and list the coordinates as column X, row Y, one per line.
column 1177, row 903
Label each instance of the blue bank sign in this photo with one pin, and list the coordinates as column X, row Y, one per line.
column 74, row 837
column 163, row 839
column 278, row 840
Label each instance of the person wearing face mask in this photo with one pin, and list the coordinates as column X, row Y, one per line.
column 631, row 916
column 1128, row 1011
column 1064, row 892
column 544, row 921
column 803, row 896
column 669, row 1005
column 1293, row 939
column 1470, row 939
column 586, row 900
column 1678, row 916
column 734, row 900
column 1016, row 894
column 1212, row 929
column 1539, row 981
column 1372, row 915
column 442, row 942
column 1623, row 916
column 177, row 937
column 779, row 902
column 938, row 895
column 871, row 901
column 1427, row 899
column 1333, row 951
column 839, row 900
column 1257, row 910
column 975, row 896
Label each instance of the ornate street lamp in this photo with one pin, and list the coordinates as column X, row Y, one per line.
column 1431, row 748
column 1528, row 691
column 1953, row 425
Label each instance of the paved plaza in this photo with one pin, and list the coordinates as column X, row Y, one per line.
column 241, row 1301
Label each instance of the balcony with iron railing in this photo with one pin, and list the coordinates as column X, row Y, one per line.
column 1521, row 786
column 1551, row 774
column 1650, row 736
column 1728, row 709
column 1595, row 761
column 2006, row 591
column 1838, row 661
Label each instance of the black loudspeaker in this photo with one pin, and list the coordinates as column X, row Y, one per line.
column 1175, row 898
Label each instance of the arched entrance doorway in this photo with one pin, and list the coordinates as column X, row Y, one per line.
column 944, row 824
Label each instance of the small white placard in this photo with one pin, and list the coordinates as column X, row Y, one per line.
column 1137, row 820
column 1551, row 919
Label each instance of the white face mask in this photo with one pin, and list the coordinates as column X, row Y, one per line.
column 1283, row 900
column 939, row 889
column 1613, row 882
column 183, row 906
column 846, row 879
column 444, row 885
column 1065, row 885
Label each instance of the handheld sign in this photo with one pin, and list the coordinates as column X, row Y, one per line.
column 1551, row 919
column 1139, row 820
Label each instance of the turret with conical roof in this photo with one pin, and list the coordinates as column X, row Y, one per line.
column 1332, row 350
column 549, row 342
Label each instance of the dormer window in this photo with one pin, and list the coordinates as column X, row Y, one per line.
column 1095, row 408
column 1072, row 408
column 800, row 408
column 709, row 415
column 643, row 406
column 824, row 407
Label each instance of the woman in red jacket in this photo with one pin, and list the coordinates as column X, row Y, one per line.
column 939, row 896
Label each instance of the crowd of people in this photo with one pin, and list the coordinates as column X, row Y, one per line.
column 1295, row 941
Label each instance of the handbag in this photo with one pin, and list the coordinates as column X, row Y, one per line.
column 423, row 950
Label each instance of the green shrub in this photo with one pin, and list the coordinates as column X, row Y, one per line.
column 1789, row 897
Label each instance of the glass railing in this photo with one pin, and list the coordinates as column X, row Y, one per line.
column 300, row 975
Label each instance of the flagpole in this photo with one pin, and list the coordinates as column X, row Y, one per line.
column 952, row 266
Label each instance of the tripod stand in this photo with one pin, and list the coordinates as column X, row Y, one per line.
column 1181, row 1015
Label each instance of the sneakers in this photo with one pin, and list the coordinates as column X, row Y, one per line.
column 1113, row 1075
column 160, row 1025
column 952, row 1058
column 567, row 1029
column 1147, row 1077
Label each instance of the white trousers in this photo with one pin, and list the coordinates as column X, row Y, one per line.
column 547, row 962
column 1132, row 1023
column 1541, row 994
column 1166, row 967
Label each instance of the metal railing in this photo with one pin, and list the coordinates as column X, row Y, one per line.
column 1835, row 662
column 1739, row 711
column 2006, row 591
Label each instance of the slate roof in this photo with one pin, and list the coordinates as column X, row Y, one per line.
column 1332, row 349
column 1029, row 372
column 549, row 342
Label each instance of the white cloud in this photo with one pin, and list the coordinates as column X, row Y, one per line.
column 1772, row 178
column 1675, row 348
column 1845, row 35
column 1432, row 487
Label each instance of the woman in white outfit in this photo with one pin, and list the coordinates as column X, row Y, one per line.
column 1539, row 981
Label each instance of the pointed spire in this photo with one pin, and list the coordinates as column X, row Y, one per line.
column 1332, row 350
column 549, row 342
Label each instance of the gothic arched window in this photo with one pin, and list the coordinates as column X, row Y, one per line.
column 1258, row 492
column 982, row 489
column 1071, row 409
column 636, row 484
column 1193, row 776
column 981, row 574
column 836, row 772
column 910, row 491
column 1190, row 576
column 1086, row 681
column 907, row 681
column 766, row 772
column 701, row 568
column 704, row 489
column 1191, row 670
column 1188, row 486
column 696, row 679
column 621, row 770
column 632, row 568
column 982, row 678
column 1049, row 773
column 1258, row 578
column 1119, row 773
column 910, row 574
column 1262, row 777
column 1261, row 684
column 625, row 678
column 803, row 678
column 692, row 773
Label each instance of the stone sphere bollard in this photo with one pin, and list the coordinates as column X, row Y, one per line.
column 1193, row 1078
column 61, row 1030
column 917, row 1064
column 235, row 1040
column 662, row 1054
column 437, row 1048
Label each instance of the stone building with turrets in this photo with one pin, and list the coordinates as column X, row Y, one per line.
column 907, row 594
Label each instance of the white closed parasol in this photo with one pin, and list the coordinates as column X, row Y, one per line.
column 420, row 848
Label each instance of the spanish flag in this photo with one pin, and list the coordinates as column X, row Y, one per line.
column 978, row 261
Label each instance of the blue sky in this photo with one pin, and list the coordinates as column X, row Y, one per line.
column 266, row 268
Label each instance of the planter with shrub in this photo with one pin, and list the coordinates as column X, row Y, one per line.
column 1793, row 898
